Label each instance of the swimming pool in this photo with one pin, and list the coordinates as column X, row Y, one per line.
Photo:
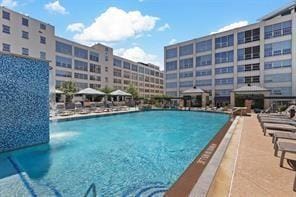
column 123, row 155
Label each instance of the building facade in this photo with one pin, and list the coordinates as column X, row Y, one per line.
column 261, row 54
column 95, row 67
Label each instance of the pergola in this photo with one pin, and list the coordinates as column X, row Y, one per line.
column 195, row 93
column 250, row 93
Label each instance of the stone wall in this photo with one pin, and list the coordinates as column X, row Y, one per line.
column 24, row 109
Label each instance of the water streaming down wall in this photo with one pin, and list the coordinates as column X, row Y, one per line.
column 24, row 109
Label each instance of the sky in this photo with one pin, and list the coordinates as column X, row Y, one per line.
column 139, row 29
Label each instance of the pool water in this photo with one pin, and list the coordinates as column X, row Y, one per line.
column 135, row 154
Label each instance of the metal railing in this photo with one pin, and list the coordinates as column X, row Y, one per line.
column 92, row 188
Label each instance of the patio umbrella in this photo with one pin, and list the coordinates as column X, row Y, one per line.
column 119, row 93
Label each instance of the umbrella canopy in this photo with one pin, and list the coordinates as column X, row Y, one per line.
column 193, row 91
column 89, row 91
column 119, row 93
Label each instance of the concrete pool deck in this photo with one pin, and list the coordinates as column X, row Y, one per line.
column 249, row 167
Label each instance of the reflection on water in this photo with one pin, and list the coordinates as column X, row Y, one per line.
column 62, row 135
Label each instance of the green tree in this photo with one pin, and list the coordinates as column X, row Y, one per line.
column 106, row 89
column 69, row 89
column 133, row 91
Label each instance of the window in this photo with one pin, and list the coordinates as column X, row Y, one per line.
column 224, row 70
column 184, row 84
column 278, row 64
column 248, row 79
column 224, row 41
column 80, row 65
column 42, row 55
column 126, row 74
column 64, row 62
column 169, row 66
column 248, row 53
column 281, row 91
column 186, row 50
column 204, row 60
column 224, row 57
column 204, row 46
column 25, row 34
column 171, row 85
column 25, row 51
column 248, row 67
column 134, row 67
column 95, row 86
column 206, row 82
column 171, row 76
column 117, row 62
column 42, row 26
column 94, row 68
column 117, row 81
column 206, row 72
column 6, row 29
column 222, row 93
column 81, row 76
column 94, row 56
column 186, row 74
column 5, row 15
column 94, row 78
column 42, row 40
column 248, row 36
column 186, row 63
column 141, row 69
column 278, row 29
column 116, row 72
column 63, row 48
column 277, row 48
column 224, row 81
column 276, row 78
column 5, row 47
column 25, row 22
column 81, row 53
column 81, row 85
column 126, row 65
column 171, row 53
column 61, row 73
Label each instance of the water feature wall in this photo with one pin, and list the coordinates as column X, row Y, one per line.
column 24, row 95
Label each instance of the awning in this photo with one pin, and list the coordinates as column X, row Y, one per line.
column 251, row 89
column 89, row 91
column 119, row 93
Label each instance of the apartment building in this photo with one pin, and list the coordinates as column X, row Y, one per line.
column 146, row 77
column 261, row 54
column 94, row 67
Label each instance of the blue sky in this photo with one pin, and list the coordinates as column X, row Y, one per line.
column 139, row 29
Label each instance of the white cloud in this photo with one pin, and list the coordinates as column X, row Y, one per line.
column 55, row 6
column 231, row 26
column 75, row 27
column 115, row 25
column 164, row 27
column 173, row 41
column 137, row 54
column 9, row 3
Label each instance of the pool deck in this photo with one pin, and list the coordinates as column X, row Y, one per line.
column 249, row 167
column 91, row 115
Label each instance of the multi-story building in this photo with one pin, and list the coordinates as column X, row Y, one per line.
column 146, row 77
column 261, row 54
column 94, row 66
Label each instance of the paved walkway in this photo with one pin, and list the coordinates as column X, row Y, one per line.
column 257, row 171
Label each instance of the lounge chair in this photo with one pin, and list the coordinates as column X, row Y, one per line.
column 281, row 127
column 66, row 113
column 99, row 110
column 282, row 135
column 278, row 121
column 284, row 147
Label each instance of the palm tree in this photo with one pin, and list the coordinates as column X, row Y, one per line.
column 69, row 89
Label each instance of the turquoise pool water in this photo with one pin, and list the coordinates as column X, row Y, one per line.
column 135, row 154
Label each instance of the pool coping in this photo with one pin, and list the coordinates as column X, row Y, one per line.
column 198, row 176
